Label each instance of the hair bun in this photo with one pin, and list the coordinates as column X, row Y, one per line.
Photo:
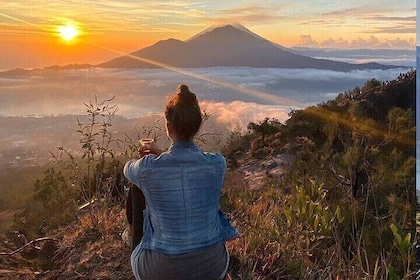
column 183, row 88
column 186, row 96
column 183, row 113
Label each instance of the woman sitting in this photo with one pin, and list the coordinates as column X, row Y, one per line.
column 184, row 232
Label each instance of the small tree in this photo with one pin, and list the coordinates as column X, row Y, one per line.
column 265, row 128
column 93, row 171
column 54, row 204
column 57, row 198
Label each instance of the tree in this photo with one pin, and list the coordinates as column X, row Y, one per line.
column 266, row 127
column 57, row 198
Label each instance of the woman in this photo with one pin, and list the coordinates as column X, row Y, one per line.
column 184, row 232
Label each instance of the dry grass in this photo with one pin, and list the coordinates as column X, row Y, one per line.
column 6, row 220
column 259, row 252
column 83, row 252
column 268, row 247
column 271, row 248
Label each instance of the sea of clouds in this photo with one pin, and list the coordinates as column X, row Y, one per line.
column 401, row 57
column 233, row 96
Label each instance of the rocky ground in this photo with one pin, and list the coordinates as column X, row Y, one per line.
column 257, row 171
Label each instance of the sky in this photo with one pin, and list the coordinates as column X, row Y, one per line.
column 30, row 36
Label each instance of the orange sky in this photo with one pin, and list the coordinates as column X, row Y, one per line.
column 29, row 38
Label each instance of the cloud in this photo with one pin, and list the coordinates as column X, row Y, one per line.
column 238, row 114
column 307, row 40
column 247, row 14
column 346, row 12
column 102, row 16
column 392, row 18
column 371, row 19
column 371, row 42
column 141, row 92
column 334, row 43
column 400, row 29
column 389, row 24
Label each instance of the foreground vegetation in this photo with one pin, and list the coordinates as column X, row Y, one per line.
column 344, row 208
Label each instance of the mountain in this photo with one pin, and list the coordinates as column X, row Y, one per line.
column 237, row 26
column 19, row 72
column 227, row 46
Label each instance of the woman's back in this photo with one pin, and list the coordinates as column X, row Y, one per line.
column 182, row 190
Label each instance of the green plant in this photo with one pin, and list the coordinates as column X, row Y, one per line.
column 311, row 207
column 404, row 246
column 94, row 171
column 54, row 203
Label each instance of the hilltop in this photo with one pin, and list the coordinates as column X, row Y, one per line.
column 76, row 251
column 306, row 195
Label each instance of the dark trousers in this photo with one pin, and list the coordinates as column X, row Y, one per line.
column 134, row 207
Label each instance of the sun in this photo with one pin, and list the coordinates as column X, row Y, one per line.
column 68, row 32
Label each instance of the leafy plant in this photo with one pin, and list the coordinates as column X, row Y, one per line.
column 311, row 207
column 404, row 246
column 95, row 172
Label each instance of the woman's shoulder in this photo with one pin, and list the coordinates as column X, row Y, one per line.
column 141, row 162
column 215, row 157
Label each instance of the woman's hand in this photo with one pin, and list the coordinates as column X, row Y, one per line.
column 151, row 148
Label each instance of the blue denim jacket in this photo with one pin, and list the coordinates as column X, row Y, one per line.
column 182, row 190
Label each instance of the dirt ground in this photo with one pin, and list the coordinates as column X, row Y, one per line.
column 72, row 252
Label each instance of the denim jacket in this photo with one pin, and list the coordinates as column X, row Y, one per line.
column 182, row 191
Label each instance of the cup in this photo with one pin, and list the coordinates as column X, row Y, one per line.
column 146, row 141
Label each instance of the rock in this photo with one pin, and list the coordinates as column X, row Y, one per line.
column 257, row 170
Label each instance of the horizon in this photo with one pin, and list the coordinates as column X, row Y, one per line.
column 83, row 32
column 78, row 32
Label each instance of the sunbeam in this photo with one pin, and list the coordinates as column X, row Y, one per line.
column 361, row 126
column 276, row 100
column 251, row 92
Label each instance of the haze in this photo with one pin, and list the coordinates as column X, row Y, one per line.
column 142, row 92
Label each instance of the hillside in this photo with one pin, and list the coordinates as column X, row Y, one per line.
column 74, row 251
column 306, row 196
column 227, row 46
column 77, row 251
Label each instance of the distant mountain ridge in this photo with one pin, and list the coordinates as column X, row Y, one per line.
column 237, row 26
column 227, row 46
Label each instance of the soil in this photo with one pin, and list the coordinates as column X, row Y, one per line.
column 72, row 252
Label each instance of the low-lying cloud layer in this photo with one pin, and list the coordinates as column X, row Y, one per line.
column 360, row 43
column 238, row 114
column 234, row 96
column 402, row 57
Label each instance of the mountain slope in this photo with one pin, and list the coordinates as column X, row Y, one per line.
column 256, row 196
column 227, row 46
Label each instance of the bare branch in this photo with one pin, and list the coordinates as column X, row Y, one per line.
column 340, row 178
column 28, row 244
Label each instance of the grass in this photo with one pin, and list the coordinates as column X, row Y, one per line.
column 259, row 252
column 270, row 247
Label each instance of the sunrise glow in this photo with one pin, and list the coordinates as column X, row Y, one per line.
column 127, row 26
column 68, row 32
